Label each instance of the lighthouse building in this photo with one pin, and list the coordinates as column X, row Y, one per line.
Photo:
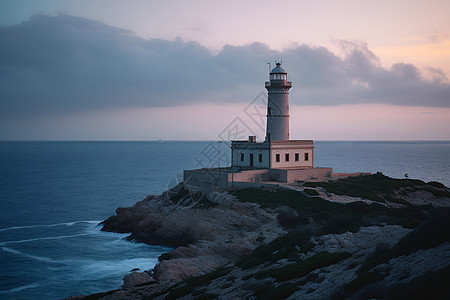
column 277, row 151
column 277, row 159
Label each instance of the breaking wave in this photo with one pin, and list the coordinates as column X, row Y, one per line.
column 48, row 225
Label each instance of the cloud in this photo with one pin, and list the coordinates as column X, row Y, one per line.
column 55, row 64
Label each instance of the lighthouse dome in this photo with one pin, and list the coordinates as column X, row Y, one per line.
column 278, row 69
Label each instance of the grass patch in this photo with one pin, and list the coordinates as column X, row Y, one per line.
column 302, row 268
column 329, row 217
column 432, row 232
column 206, row 296
column 306, row 247
column 362, row 281
column 193, row 284
column 310, row 192
column 291, row 220
column 278, row 249
column 375, row 187
column 280, row 292
column 436, row 184
column 339, row 217
column 283, row 197
column 433, row 285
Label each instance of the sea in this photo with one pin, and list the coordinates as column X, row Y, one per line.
column 54, row 194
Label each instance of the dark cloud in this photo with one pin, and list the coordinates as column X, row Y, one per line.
column 65, row 63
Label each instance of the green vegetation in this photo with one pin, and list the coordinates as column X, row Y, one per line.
column 206, row 296
column 305, row 215
column 284, row 197
column 311, row 192
column 361, row 281
column 434, row 231
column 193, row 285
column 268, row 291
column 433, row 285
column 291, row 220
column 436, row 184
column 278, row 249
column 334, row 217
column 376, row 187
column 302, row 268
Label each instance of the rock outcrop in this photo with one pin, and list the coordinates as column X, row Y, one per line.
column 285, row 243
column 208, row 231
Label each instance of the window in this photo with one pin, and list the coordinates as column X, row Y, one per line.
column 296, row 157
column 277, row 158
column 242, row 156
column 269, row 112
column 260, row 158
column 287, row 156
column 306, row 156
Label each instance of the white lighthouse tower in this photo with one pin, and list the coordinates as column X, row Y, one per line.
column 277, row 128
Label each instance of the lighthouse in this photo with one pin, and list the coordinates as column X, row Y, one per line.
column 277, row 159
column 277, row 128
column 277, row 151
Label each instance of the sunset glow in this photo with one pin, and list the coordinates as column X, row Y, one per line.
column 150, row 70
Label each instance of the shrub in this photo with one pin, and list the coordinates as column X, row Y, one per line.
column 436, row 184
column 279, row 248
column 193, row 285
column 282, row 291
column 302, row 268
column 361, row 281
column 311, row 192
column 432, row 285
column 206, row 296
column 290, row 220
column 372, row 187
column 346, row 217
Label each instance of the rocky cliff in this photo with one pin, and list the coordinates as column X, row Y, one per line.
column 361, row 237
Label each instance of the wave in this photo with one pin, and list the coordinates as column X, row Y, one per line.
column 39, row 258
column 20, row 288
column 43, row 238
column 48, row 225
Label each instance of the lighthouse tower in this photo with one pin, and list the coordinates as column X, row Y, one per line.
column 277, row 128
column 276, row 159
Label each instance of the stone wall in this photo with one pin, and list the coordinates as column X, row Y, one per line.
column 214, row 179
column 308, row 174
column 206, row 180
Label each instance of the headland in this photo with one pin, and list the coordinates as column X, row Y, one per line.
column 367, row 235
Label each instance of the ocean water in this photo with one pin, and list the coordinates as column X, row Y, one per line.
column 54, row 194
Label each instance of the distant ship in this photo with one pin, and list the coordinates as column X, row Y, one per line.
column 160, row 141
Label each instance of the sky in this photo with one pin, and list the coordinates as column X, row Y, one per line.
column 195, row 70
